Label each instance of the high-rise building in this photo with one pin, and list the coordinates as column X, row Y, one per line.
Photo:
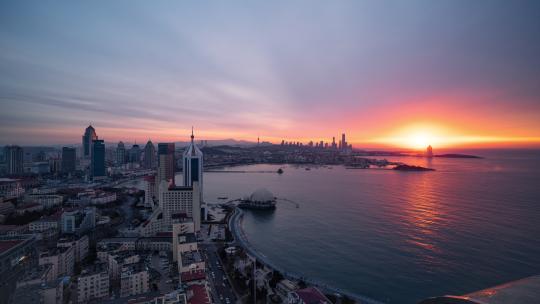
column 193, row 166
column 166, row 164
column 87, row 139
column 69, row 158
column 135, row 154
column 334, row 145
column 343, row 142
column 97, row 165
column 120, row 157
column 14, row 159
column 180, row 201
column 149, row 155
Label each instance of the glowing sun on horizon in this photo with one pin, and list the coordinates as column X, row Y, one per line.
column 419, row 140
column 419, row 137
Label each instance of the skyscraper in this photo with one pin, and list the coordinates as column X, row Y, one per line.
column 149, row 155
column 69, row 157
column 14, row 159
column 120, row 154
column 193, row 166
column 135, row 154
column 97, row 165
column 343, row 142
column 87, row 139
column 180, row 200
column 166, row 164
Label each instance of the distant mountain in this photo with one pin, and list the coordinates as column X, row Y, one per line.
column 219, row 142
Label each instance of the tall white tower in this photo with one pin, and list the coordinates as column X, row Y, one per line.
column 193, row 166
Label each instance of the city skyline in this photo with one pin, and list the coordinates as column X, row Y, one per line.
column 144, row 71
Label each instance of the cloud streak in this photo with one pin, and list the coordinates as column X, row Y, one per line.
column 297, row 70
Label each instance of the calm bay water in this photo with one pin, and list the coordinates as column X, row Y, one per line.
column 399, row 236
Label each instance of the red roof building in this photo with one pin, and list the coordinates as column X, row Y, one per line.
column 198, row 294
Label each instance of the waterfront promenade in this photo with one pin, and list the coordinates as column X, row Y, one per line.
column 235, row 225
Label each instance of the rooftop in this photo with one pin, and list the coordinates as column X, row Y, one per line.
column 187, row 238
column 193, row 276
column 94, row 269
column 130, row 269
column 312, row 295
column 197, row 294
column 7, row 180
column 191, row 257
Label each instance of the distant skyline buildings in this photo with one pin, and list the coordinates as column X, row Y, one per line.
column 343, row 145
column 69, row 160
column 87, row 139
column 134, row 154
column 97, row 164
column 120, row 154
column 149, row 155
column 14, row 158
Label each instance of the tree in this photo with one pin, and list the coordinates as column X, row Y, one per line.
column 276, row 278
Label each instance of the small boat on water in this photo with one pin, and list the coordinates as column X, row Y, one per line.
column 223, row 197
column 280, row 171
column 308, row 168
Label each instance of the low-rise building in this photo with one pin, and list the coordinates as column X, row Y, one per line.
column 284, row 287
column 93, row 283
column 117, row 260
column 134, row 280
column 197, row 294
column 45, row 223
column 10, row 188
column 156, row 243
column 78, row 220
column 28, row 207
column 46, row 200
column 190, row 261
column 17, row 254
column 153, row 224
column 13, row 230
column 102, row 198
column 6, row 208
column 80, row 245
column 310, row 295
column 62, row 260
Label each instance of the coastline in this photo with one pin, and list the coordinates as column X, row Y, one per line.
column 235, row 226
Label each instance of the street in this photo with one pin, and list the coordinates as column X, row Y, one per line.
column 221, row 289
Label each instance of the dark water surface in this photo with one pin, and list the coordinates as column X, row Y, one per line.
column 399, row 236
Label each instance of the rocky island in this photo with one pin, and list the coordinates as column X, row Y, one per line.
column 404, row 167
